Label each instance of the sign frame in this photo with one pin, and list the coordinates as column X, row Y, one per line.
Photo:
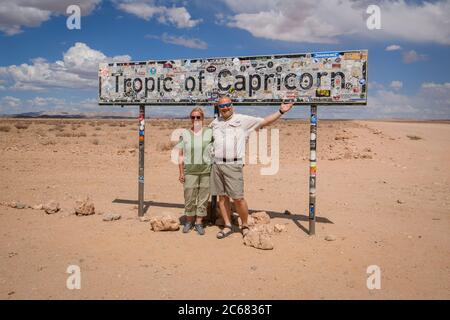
column 248, row 102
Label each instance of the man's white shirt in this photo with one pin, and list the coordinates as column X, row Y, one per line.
column 230, row 135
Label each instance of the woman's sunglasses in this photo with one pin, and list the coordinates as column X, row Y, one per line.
column 225, row 105
column 196, row 118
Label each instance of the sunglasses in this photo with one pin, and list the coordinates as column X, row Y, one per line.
column 225, row 105
column 196, row 117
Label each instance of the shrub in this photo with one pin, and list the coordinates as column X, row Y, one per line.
column 5, row 128
column 21, row 125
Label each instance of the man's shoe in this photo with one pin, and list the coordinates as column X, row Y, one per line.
column 187, row 227
column 199, row 229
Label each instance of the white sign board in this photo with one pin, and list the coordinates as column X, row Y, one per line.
column 308, row 78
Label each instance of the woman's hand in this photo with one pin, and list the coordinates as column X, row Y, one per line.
column 181, row 178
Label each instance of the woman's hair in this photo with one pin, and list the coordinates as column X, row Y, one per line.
column 199, row 110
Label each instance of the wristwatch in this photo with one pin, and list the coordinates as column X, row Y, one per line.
column 282, row 112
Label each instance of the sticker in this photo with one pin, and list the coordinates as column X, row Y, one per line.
column 323, row 93
column 141, row 179
column 211, row 69
column 312, row 182
column 326, row 55
column 312, row 211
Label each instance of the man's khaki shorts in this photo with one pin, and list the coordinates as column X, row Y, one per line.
column 227, row 179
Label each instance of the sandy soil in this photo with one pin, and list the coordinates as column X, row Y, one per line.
column 382, row 191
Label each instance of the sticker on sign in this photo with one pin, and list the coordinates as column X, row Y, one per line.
column 307, row 78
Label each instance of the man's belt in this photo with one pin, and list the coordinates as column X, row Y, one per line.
column 225, row 160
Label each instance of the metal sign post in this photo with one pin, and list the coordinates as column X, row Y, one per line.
column 141, row 159
column 312, row 170
column 214, row 198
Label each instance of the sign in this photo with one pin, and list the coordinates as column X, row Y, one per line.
column 309, row 78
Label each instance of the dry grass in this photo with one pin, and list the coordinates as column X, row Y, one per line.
column 5, row 128
column 48, row 142
column 71, row 134
column 40, row 132
column 98, row 128
column 413, row 137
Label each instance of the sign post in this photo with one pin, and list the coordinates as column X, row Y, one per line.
column 141, row 159
column 310, row 79
column 312, row 170
column 214, row 198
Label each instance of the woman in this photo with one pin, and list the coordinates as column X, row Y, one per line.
column 195, row 167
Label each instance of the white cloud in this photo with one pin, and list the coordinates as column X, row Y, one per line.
column 9, row 102
column 320, row 21
column 32, row 13
column 413, row 56
column 146, row 9
column 393, row 47
column 431, row 102
column 193, row 43
column 77, row 70
column 396, row 85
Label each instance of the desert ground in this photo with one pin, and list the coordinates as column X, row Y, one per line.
column 382, row 198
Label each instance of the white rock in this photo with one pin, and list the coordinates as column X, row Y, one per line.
column 51, row 207
column 164, row 223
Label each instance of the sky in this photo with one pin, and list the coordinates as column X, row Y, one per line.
column 45, row 66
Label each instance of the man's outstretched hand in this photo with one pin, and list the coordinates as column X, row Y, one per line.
column 285, row 107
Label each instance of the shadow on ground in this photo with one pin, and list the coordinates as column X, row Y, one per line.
column 296, row 218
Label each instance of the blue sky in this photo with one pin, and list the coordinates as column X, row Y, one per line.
column 44, row 66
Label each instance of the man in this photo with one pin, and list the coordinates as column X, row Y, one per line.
column 230, row 132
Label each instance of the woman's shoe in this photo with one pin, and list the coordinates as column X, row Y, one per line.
column 199, row 228
column 187, row 227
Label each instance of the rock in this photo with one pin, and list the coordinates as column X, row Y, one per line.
column 13, row 204
column 279, row 228
column 250, row 221
column 330, row 238
column 164, row 223
column 261, row 217
column 258, row 240
column 144, row 219
column 20, row 205
column 263, row 228
column 38, row 206
column 131, row 151
column 51, row 207
column 111, row 217
column 84, row 207
column 400, row 202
